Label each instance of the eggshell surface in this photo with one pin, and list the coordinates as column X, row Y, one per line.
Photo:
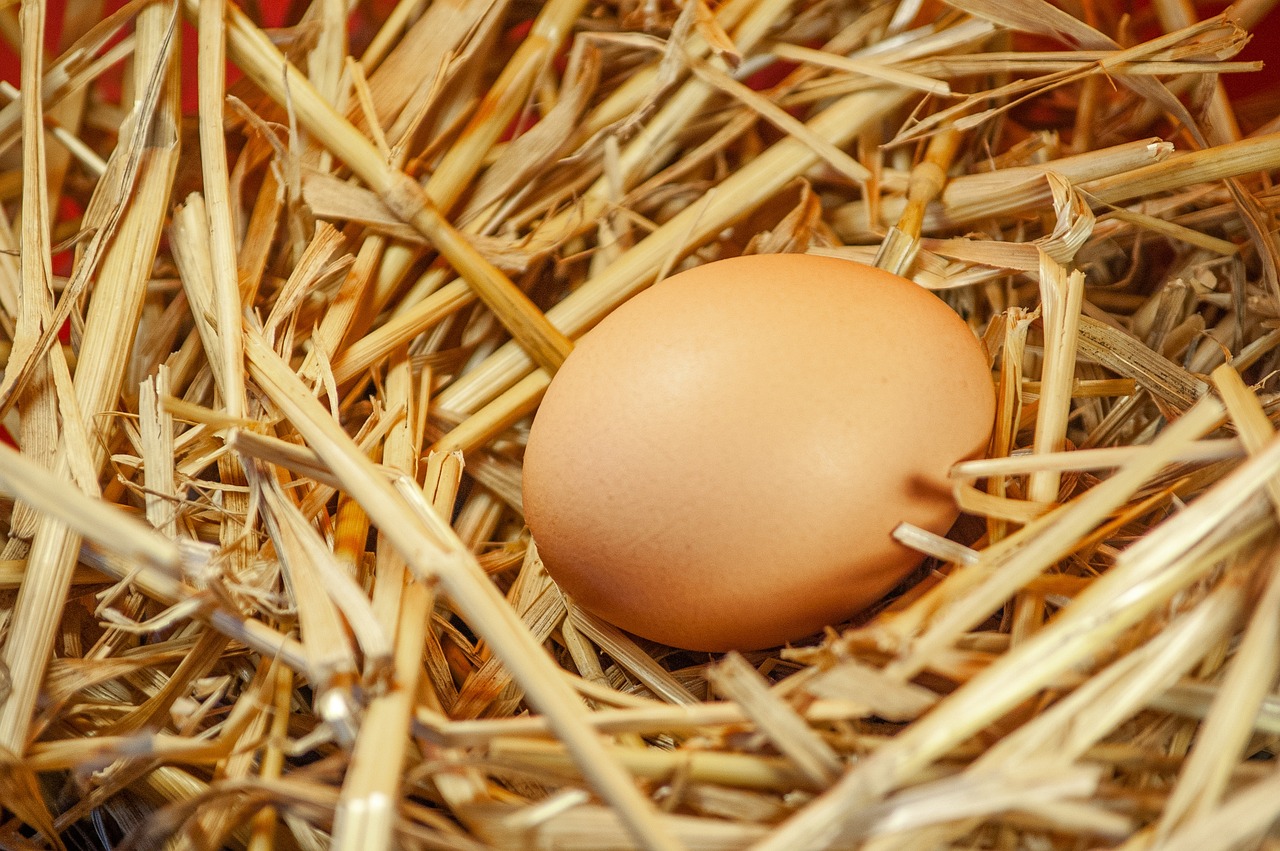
column 721, row 462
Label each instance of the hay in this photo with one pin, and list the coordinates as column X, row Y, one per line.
column 265, row 581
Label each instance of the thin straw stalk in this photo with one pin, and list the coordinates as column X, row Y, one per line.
column 730, row 769
column 1242, row 819
column 31, row 629
column 203, row 233
column 272, row 765
column 390, row 30
column 221, row 239
column 1061, row 296
column 817, row 762
column 928, row 178
column 646, row 720
column 301, row 553
column 970, row 197
column 502, row 102
column 367, row 807
column 539, row 603
column 1259, row 153
column 1200, row 452
column 876, row 70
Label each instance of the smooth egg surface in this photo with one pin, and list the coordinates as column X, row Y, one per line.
column 721, row 462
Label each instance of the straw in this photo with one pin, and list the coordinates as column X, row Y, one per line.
column 365, row 816
column 267, row 576
column 1061, row 296
column 736, row 679
column 213, row 162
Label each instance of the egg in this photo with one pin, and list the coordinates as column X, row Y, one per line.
column 720, row 463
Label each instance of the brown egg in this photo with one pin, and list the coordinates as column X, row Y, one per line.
column 720, row 463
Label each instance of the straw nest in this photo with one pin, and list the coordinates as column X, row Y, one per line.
column 270, row 361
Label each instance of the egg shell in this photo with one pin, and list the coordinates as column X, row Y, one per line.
column 720, row 463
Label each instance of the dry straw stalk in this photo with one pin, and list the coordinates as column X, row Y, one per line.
column 270, row 357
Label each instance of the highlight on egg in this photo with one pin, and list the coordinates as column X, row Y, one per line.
column 721, row 462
